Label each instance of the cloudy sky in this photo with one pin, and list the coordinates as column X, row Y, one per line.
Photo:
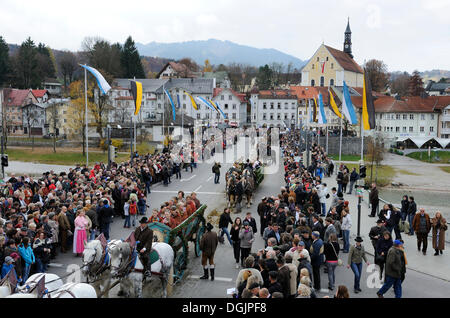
column 405, row 34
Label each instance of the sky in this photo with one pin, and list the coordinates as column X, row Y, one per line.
column 405, row 34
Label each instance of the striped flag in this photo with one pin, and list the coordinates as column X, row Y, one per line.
column 347, row 106
column 194, row 104
column 368, row 109
column 315, row 111
column 310, row 112
column 102, row 83
column 178, row 100
column 322, row 119
column 136, row 91
column 171, row 102
column 220, row 110
column 333, row 105
column 204, row 101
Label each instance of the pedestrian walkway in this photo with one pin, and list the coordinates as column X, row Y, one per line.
column 437, row 266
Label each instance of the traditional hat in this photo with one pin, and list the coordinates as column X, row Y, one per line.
column 143, row 220
column 358, row 239
column 209, row 226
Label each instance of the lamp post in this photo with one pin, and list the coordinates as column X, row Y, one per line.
column 359, row 194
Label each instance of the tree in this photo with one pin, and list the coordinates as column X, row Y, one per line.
column 415, row 84
column 264, row 78
column 68, row 65
column 277, row 71
column 131, row 61
column 378, row 75
column 76, row 113
column 4, row 61
column 46, row 67
column 400, row 84
column 221, row 68
column 103, row 56
column 375, row 151
column 191, row 65
column 207, row 67
column 25, row 64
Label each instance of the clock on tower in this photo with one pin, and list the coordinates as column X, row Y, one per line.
column 348, row 40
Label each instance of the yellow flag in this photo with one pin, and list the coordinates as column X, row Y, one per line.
column 334, row 106
column 365, row 114
column 194, row 104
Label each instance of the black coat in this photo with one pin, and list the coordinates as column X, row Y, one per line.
column 319, row 228
column 272, row 234
column 275, row 287
column 252, row 223
column 224, row 220
column 412, row 207
column 284, row 278
column 105, row 215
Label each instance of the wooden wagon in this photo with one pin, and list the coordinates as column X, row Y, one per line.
column 190, row 230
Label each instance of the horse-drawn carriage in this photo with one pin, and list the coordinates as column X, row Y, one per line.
column 190, row 230
column 241, row 181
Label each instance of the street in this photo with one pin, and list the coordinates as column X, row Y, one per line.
column 416, row 285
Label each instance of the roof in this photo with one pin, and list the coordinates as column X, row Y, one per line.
column 178, row 119
column 345, row 60
column 276, row 94
column 148, row 85
column 177, row 67
column 39, row 93
column 361, row 89
column 191, row 85
column 410, row 104
column 241, row 97
column 219, row 76
column 124, row 98
column 439, row 86
column 304, row 92
column 17, row 96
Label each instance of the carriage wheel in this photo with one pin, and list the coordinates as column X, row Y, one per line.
column 180, row 263
column 199, row 235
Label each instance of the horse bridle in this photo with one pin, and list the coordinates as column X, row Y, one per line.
column 122, row 270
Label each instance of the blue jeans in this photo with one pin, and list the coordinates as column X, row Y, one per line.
column 216, row 178
column 225, row 231
column 147, row 186
column 331, row 279
column 339, row 188
column 324, row 209
column 92, row 235
column 26, row 272
column 346, row 236
column 410, row 220
column 389, row 281
column 40, row 266
column 357, row 270
column 127, row 221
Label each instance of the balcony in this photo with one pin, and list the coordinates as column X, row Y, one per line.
column 445, row 131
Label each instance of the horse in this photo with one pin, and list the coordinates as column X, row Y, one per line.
column 231, row 191
column 248, row 184
column 126, row 265
column 52, row 282
column 96, row 265
column 74, row 290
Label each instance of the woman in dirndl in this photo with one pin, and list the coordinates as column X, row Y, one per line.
column 80, row 237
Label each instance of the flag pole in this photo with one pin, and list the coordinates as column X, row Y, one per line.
column 340, row 141
column 86, row 116
column 164, row 110
column 326, row 129
column 362, row 141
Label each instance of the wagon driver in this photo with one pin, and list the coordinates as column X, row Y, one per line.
column 144, row 235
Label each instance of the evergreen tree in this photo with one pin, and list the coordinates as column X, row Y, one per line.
column 264, row 77
column 4, row 61
column 26, row 64
column 415, row 84
column 131, row 61
column 46, row 64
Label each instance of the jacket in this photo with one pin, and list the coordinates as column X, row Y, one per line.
column 246, row 238
column 356, row 255
column 373, row 196
column 328, row 231
column 145, row 238
column 252, row 223
column 284, row 278
column 63, row 222
column 354, row 176
column 416, row 222
column 224, row 220
column 395, row 263
column 376, row 231
column 383, row 246
column 439, row 228
column 346, row 223
column 105, row 215
column 275, row 287
column 273, row 234
column 329, row 253
column 27, row 254
column 316, row 253
column 208, row 243
column 412, row 207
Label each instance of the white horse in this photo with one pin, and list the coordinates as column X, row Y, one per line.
column 52, row 282
column 75, row 290
column 130, row 271
column 96, row 266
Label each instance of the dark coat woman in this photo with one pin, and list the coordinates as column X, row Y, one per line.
column 234, row 233
column 404, row 209
column 384, row 243
column 439, row 226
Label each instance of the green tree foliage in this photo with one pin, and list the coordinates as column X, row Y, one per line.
column 4, row 61
column 103, row 56
column 264, row 77
column 67, row 65
column 131, row 61
column 26, row 66
column 46, row 62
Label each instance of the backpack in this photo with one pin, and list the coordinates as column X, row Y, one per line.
column 133, row 209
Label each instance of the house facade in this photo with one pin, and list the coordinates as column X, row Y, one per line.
column 14, row 101
column 274, row 108
column 232, row 104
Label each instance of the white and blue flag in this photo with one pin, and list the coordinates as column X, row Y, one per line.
column 347, row 107
column 322, row 119
column 102, row 83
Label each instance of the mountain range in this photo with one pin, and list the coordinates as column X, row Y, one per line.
column 218, row 52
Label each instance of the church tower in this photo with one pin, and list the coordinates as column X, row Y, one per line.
column 348, row 40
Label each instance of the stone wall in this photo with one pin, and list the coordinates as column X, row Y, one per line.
column 350, row 145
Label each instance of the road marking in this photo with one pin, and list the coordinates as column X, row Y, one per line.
column 209, row 179
column 222, row 279
column 188, row 179
column 55, row 265
column 188, row 191
column 197, row 189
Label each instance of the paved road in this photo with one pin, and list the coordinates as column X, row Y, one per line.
column 201, row 181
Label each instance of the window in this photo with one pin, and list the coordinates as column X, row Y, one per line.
column 230, row 97
column 317, row 59
column 432, row 116
column 411, row 129
column 234, row 106
column 293, row 105
column 431, row 129
column 331, row 82
column 404, row 129
column 285, row 116
column 271, row 105
column 322, row 81
column 332, row 65
column 327, row 58
column 293, row 116
column 217, row 116
column 222, row 97
column 397, row 116
column 264, row 116
column 422, row 129
column 422, row 117
column 278, row 116
column 198, row 116
column 286, row 106
column 411, row 116
column 405, row 116
column 233, row 115
column 207, row 116
column 300, row 112
column 312, row 66
column 184, row 96
column 226, row 106
column 313, row 82
column 264, row 106
column 271, row 116
column 279, row 106
column 397, row 129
